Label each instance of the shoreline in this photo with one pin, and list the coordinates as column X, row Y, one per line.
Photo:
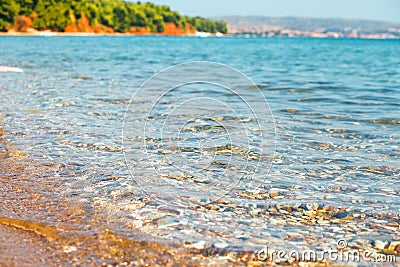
column 69, row 233
column 79, row 34
column 39, row 229
column 92, row 34
column 63, row 105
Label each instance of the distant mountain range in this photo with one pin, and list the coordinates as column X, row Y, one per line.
column 312, row 27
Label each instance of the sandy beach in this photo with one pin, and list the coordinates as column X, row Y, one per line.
column 219, row 133
column 70, row 199
column 26, row 241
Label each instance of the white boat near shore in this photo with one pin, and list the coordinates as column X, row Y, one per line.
column 10, row 69
column 47, row 33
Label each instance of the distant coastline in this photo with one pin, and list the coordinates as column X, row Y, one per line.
column 198, row 34
column 126, row 18
column 88, row 34
column 314, row 35
column 297, row 27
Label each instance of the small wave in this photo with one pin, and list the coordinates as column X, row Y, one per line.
column 113, row 101
column 317, row 99
column 384, row 121
column 80, row 78
column 10, row 69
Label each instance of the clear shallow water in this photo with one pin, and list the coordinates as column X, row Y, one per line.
column 336, row 105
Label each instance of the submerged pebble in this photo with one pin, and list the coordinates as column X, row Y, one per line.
column 4, row 153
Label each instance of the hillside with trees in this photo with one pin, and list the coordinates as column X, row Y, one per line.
column 99, row 16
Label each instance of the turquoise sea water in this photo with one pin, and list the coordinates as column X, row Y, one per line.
column 336, row 105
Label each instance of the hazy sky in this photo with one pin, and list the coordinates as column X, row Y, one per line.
column 388, row 10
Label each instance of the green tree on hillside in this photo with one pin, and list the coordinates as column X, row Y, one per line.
column 117, row 14
column 137, row 17
column 8, row 11
column 57, row 16
column 121, row 22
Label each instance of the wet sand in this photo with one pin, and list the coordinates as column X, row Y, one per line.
column 24, row 248
column 42, row 226
column 39, row 229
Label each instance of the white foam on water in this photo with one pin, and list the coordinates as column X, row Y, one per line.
column 10, row 69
